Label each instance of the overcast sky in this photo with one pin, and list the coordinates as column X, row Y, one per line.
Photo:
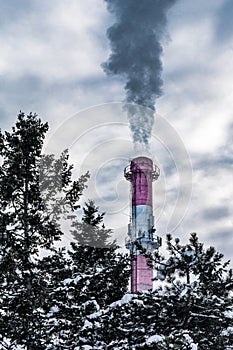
column 50, row 63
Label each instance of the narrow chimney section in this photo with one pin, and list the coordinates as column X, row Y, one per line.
column 141, row 173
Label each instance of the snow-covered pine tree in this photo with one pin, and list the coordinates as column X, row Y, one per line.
column 94, row 276
column 202, row 284
column 192, row 309
column 59, row 308
column 91, row 231
column 25, row 227
column 96, row 253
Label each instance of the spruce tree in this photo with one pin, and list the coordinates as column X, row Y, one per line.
column 26, row 226
column 202, row 285
column 96, row 253
column 86, row 281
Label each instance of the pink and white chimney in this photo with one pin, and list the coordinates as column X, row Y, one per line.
column 141, row 173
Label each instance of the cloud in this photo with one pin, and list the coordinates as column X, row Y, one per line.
column 224, row 24
column 49, row 41
column 50, row 57
column 198, row 97
column 13, row 11
column 216, row 213
column 222, row 238
column 224, row 233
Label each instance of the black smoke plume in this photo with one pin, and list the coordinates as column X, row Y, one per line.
column 135, row 41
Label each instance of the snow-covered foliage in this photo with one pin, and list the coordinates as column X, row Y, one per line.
column 183, row 313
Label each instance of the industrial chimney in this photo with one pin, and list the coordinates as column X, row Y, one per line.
column 141, row 173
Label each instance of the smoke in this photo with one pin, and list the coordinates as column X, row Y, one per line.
column 136, row 50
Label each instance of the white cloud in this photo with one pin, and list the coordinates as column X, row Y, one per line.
column 55, row 40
